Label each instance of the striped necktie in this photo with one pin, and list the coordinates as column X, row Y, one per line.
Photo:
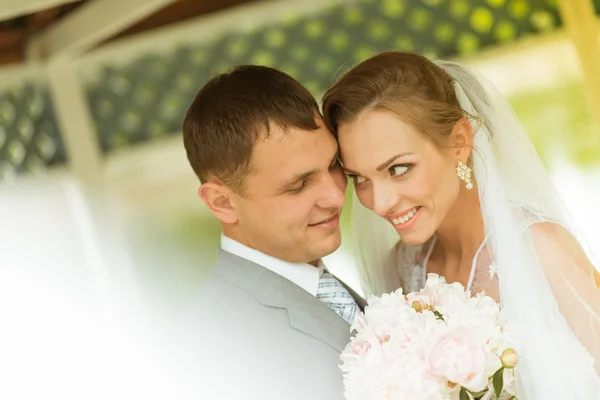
column 337, row 297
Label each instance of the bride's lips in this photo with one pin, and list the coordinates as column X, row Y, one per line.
column 400, row 221
column 327, row 223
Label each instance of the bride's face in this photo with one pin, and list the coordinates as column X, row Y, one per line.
column 399, row 173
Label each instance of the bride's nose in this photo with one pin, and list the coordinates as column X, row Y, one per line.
column 384, row 198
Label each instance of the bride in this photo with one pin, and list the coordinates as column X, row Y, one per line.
column 439, row 160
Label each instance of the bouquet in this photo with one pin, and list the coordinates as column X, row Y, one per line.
column 436, row 344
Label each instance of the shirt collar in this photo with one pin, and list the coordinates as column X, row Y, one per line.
column 304, row 275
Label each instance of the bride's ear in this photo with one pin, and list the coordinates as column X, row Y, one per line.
column 462, row 139
column 219, row 199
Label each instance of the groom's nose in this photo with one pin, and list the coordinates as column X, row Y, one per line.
column 332, row 193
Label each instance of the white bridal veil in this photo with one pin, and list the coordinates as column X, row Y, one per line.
column 547, row 285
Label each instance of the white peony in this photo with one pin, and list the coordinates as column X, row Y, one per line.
column 425, row 345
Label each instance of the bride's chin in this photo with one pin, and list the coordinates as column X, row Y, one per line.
column 414, row 239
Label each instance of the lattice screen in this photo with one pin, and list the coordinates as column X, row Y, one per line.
column 148, row 97
column 29, row 137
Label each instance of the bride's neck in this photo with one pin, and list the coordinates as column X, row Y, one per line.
column 462, row 232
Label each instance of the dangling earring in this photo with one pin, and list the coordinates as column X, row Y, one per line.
column 464, row 174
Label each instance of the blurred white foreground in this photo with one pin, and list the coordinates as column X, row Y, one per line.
column 74, row 324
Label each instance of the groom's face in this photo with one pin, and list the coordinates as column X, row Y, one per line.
column 293, row 195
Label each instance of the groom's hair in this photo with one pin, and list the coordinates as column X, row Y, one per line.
column 236, row 109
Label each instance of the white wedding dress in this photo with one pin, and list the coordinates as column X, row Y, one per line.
column 411, row 262
column 533, row 260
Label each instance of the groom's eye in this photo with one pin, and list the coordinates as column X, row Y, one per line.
column 298, row 188
column 335, row 163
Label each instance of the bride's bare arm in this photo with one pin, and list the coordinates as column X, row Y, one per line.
column 574, row 281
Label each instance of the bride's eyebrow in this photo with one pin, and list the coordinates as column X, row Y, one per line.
column 391, row 160
column 382, row 166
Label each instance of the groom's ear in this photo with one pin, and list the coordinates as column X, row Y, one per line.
column 218, row 198
column 462, row 139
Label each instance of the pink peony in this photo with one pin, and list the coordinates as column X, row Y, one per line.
column 459, row 359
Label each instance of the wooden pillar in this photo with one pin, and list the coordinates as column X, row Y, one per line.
column 581, row 24
column 109, row 263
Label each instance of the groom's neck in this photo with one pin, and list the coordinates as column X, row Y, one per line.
column 235, row 235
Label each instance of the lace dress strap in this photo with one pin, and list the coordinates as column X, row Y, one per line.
column 411, row 261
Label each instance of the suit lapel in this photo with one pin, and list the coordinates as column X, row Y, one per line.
column 362, row 303
column 306, row 313
column 309, row 315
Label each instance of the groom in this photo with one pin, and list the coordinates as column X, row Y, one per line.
column 271, row 321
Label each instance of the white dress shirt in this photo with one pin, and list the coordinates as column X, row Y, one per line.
column 304, row 275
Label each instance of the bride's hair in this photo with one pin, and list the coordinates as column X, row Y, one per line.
column 417, row 90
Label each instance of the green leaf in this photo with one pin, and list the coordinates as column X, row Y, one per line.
column 438, row 315
column 498, row 381
column 463, row 395
column 477, row 395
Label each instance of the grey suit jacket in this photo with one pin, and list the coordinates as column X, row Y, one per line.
column 261, row 336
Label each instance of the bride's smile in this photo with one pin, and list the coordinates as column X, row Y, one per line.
column 413, row 182
column 405, row 219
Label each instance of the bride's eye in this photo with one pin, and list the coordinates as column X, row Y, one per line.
column 399, row 170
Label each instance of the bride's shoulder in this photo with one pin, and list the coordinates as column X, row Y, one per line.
column 540, row 226
column 530, row 218
column 559, row 248
column 555, row 244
